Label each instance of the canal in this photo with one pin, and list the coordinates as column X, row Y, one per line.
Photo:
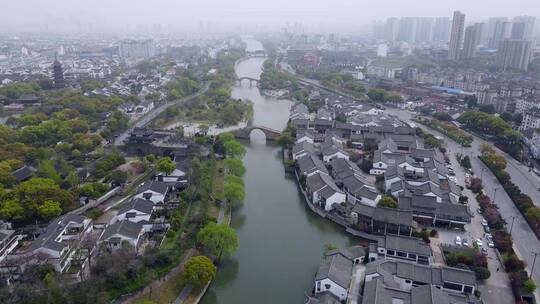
column 281, row 241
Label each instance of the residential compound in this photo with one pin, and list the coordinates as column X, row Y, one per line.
column 404, row 168
column 388, row 280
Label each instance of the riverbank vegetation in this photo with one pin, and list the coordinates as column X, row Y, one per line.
column 495, row 128
column 274, row 79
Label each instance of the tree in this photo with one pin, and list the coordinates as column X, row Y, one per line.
column 218, row 239
column 393, row 98
column 388, row 202
column 118, row 177
column 199, row 270
column 234, row 192
column 234, row 148
column 471, row 101
column 377, row 95
column 166, row 165
column 442, row 116
column 234, row 166
column 482, row 273
column 506, row 116
column 49, row 210
column 529, row 286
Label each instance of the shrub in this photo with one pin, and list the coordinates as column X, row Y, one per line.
column 482, row 273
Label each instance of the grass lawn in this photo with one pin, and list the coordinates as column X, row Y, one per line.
column 166, row 293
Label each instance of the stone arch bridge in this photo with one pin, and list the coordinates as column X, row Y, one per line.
column 271, row 134
column 252, row 81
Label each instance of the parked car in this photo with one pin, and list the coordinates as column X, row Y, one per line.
column 467, row 175
column 491, row 244
column 484, row 251
column 458, row 241
column 479, row 243
column 465, row 242
column 484, row 222
column 486, row 229
column 479, row 211
column 489, row 236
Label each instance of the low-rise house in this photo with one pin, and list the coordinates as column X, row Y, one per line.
column 9, row 240
column 57, row 244
column 408, row 275
column 154, row 191
column 381, row 220
column 323, row 191
column 23, row 173
column 136, row 210
column 302, row 149
column 330, row 152
column 406, row 248
column 323, row 298
column 310, row 164
column 305, row 136
column 334, row 274
column 120, row 232
column 428, row 212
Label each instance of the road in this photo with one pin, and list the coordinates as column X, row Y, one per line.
column 143, row 121
column 524, row 239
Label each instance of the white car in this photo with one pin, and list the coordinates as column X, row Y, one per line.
column 467, row 175
column 484, row 222
column 458, row 241
column 479, row 243
column 465, row 242
column 491, row 244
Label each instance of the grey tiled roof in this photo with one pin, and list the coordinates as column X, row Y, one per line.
column 157, row 186
column 124, row 228
column 406, row 244
column 139, row 204
column 337, row 268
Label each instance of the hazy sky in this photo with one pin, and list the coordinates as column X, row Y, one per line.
column 24, row 15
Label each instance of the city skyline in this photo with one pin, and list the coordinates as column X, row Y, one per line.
column 163, row 15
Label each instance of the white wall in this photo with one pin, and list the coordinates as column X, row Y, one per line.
column 335, row 289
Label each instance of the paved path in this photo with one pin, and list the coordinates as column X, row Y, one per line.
column 357, row 279
column 184, row 294
column 222, row 209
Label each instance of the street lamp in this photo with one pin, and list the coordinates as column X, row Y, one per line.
column 482, row 173
column 512, row 225
column 534, row 261
column 494, row 195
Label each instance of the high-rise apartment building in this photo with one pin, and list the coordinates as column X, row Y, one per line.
column 472, row 39
column 424, row 29
column 407, row 29
column 528, row 25
column 391, row 29
column 456, row 35
column 501, row 31
column 514, row 54
column 441, row 30
column 137, row 49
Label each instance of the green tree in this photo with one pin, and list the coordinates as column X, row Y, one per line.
column 199, row 270
column 482, row 273
column 218, row 239
column 377, row 95
column 529, row 286
column 388, row 202
column 234, row 166
column 234, row 148
column 118, row 177
column 166, row 165
column 11, row 210
column 234, row 192
column 47, row 170
column 49, row 210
